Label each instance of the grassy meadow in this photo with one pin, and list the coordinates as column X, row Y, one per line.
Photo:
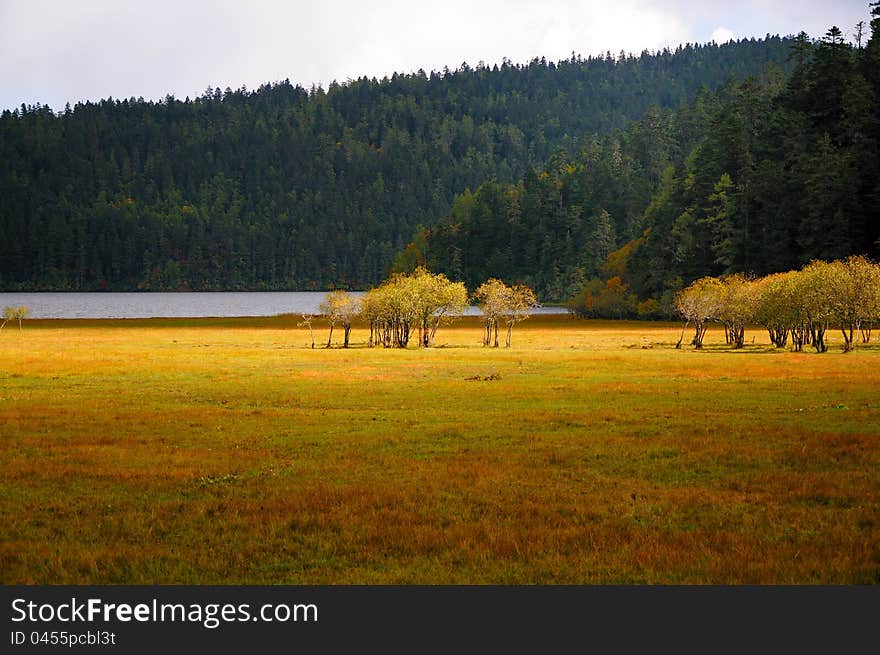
column 227, row 451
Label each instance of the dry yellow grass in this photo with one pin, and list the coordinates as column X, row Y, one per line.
column 226, row 451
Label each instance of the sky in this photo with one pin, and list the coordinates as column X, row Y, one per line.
column 58, row 51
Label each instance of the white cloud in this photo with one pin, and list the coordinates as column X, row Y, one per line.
column 53, row 51
column 722, row 35
column 461, row 30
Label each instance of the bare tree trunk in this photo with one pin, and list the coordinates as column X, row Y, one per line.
column 817, row 331
column 307, row 321
column 739, row 336
column 346, row 331
column 700, row 335
column 330, row 338
column 4, row 324
column 509, row 330
column 496, row 334
column 778, row 336
column 848, row 342
column 434, row 329
column 798, row 337
column 681, row 337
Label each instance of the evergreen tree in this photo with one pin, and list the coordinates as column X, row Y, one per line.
column 285, row 187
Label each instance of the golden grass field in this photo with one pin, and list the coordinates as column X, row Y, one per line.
column 227, row 451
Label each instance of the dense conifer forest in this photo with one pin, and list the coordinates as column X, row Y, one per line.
column 763, row 175
column 292, row 188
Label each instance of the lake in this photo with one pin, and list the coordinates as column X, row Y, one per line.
column 179, row 305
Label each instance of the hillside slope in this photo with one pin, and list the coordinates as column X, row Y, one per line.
column 287, row 188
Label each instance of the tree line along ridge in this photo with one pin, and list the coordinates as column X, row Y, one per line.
column 761, row 176
column 287, row 188
column 610, row 183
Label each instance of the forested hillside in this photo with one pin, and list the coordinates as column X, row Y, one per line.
column 288, row 188
column 761, row 176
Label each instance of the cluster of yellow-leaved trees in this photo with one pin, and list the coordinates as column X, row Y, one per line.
column 15, row 314
column 419, row 303
column 797, row 307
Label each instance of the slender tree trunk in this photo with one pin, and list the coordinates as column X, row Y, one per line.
column 330, row 338
column 4, row 324
column 739, row 336
column 681, row 336
column 496, row 334
column 702, row 328
column 779, row 336
column 509, row 330
column 19, row 325
column 346, row 331
column 848, row 342
column 798, row 337
column 699, row 333
column 817, row 331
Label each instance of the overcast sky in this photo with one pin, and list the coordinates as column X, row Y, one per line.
column 58, row 51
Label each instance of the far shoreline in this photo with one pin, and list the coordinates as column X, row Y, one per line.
column 292, row 320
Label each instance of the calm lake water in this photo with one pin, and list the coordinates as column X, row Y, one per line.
column 183, row 305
